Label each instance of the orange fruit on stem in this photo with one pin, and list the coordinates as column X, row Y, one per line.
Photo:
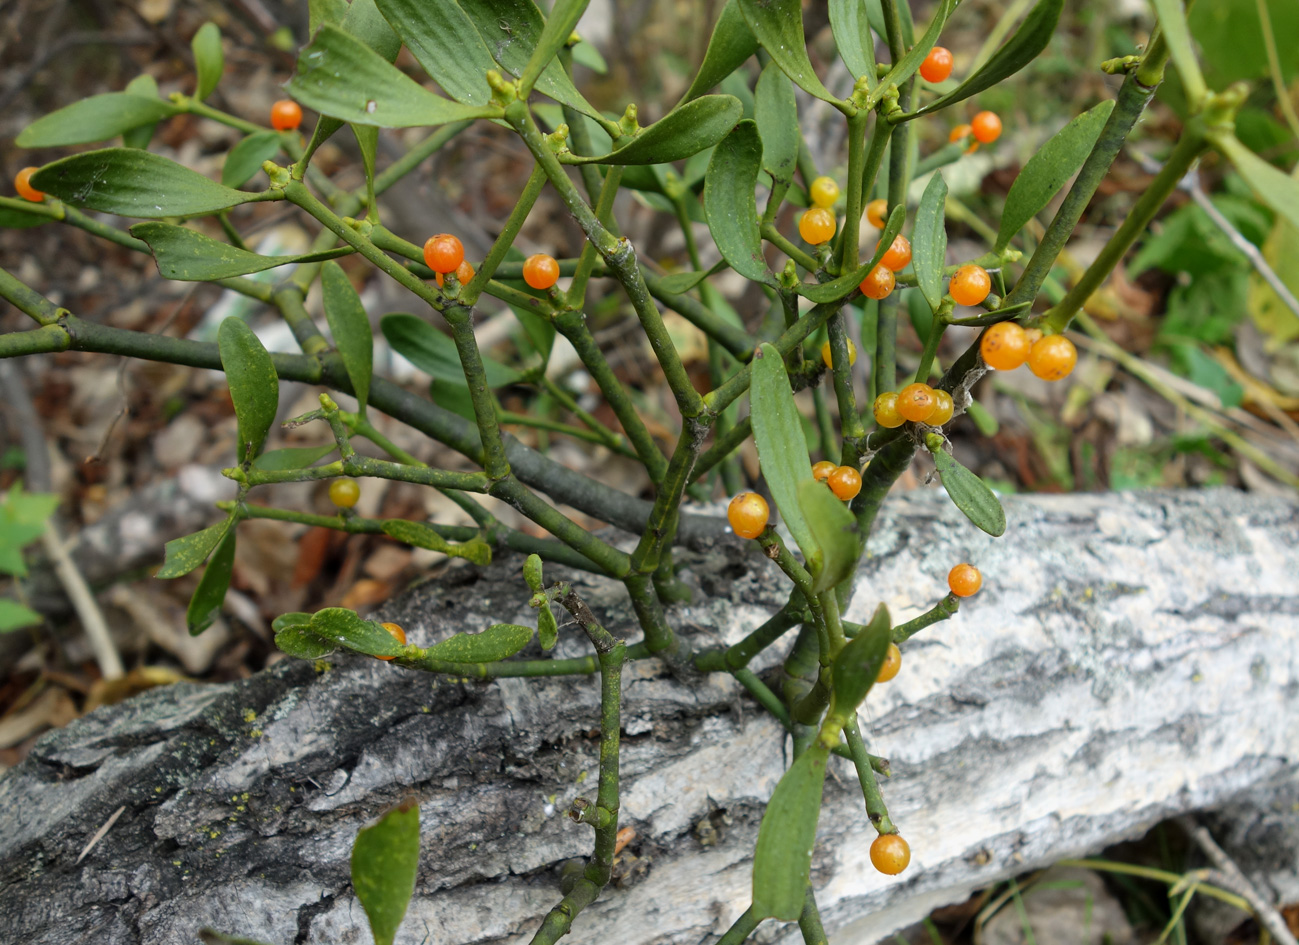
column 1004, row 346
column 885, row 409
column 286, row 115
column 879, row 283
column 824, row 192
column 748, row 514
column 845, row 483
column 898, row 255
column 816, row 226
column 1052, row 357
column 398, row 634
column 540, row 271
column 964, row 580
column 892, row 663
column 969, row 285
column 344, row 493
column 937, row 65
column 944, row 407
column 443, row 253
column 852, row 354
column 22, row 184
column 877, row 212
column 821, row 471
column 890, row 854
column 916, row 402
column 986, row 127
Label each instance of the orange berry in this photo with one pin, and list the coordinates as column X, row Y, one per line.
column 964, row 580
column 1052, row 357
column 816, row 226
column 748, row 514
column 824, row 192
column 890, row 854
column 398, row 634
column 1004, row 346
column 959, row 132
column 344, row 493
column 443, row 253
column 970, row 285
column 898, row 255
column 892, row 663
column 845, row 482
column 986, row 127
column 937, row 65
column 885, row 409
column 464, row 272
column 852, row 354
column 944, row 407
column 540, row 271
column 22, row 184
column 877, row 212
column 916, row 402
column 879, row 283
column 286, row 115
column 821, row 471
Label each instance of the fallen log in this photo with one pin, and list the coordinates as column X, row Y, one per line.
column 1131, row 657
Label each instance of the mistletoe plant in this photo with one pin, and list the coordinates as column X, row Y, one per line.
column 708, row 159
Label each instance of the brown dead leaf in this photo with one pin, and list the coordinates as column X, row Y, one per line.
column 53, row 708
column 366, row 593
column 113, row 691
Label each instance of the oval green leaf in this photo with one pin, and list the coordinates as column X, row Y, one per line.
column 445, row 42
column 497, row 642
column 246, row 158
column 839, row 288
column 852, row 36
column 141, row 135
column 189, row 256
column 776, row 112
column 296, row 619
column 835, row 531
column 778, row 26
column 858, row 664
column 421, row 536
column 183, row 555
column 971, row 495
column 929, row 241
column 434, row 353
column 680, row 133
column 208, row 597
column 782, row 859
column 1048, row 170
column 782, row 448
column 209, row 60
column 547, row 627
column 340, row 76
column 254, row 386
column 298, row 641
column 730, row 46
column 385, row 861
column 96, row 118
column 1272, row 186
column 344, row 627
column 350, row 327
column 292, row 457
column 135, row 183
column 679, row 282
column 1029, row 40
column 730, row 204
column 1177, row 33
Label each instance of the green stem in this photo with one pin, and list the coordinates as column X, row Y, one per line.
column 870, row 789
column 741, row 929
column 738, row 655
column 416, row 155
column 850, row 425
column 778, row 240
column 356, row 465
column 944, row 609
column 850, row 236
column 30, row 302
column 586, row 261
column 878, row 478
column 731, row 337
column 496, row 255
column 723, row 446
column 809, row 923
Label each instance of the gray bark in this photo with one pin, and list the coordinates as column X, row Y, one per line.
column 1130, row 657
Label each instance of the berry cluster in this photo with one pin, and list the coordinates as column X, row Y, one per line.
column 917, row 402
column 1007, row 345
column 844, row 481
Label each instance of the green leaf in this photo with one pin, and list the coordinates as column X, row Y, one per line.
column 547, row 627
column 320, row 12
column 1177, row 34
column 852, row 35
column 839, row 288
column 209, row 60
column 254, row 385
column 776, row 112
column 585, row 54
column 1270, row 184
column 292, row 457
column 835, row 532
column 778, row 26
column 342, row 626
column 782, row 448
column 189, row 256
column 210, row 594
column 495, row 643
column 421, row 536
column 96, row 118
column 1029, row 40
column 296, row 619
column 782, row 859
column 385, row 861
column 680, row 282
column 511, row 30
column 445, row 42
column 298, row 641
column 15, row 616
column 367, row 139
column 1049, row 169
column 730, row 46
column 364, row 21
column 533, row 573
column 684, row 131
column 140, row 136
column 560, row 23
column 183, row 555
column 434, row 353
column 971, row 495
column 350, row 327
column 906, row 66
column 858, row 664
column 11, row 218
column 22, row 521
column 929, row 241
column 246, row 158
column 340, row 76
column 730, row 205
column 134, row 183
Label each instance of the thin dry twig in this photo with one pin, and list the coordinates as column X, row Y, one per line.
column 102, row 832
